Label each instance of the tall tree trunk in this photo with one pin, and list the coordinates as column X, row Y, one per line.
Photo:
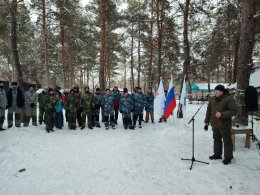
column 16, row 61
column 151, row 47
column 159, row 40
column 132, row 59
column 46, row 45
column 63, row 61
column 235, row 63
column 103, row 8
column 125, row 73
column 246, row 45
column 139, row 55
column 229, row 55
column 186, row 49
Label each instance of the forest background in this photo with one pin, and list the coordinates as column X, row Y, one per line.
column 127, row 43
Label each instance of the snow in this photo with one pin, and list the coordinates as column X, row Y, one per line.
column 124, row 162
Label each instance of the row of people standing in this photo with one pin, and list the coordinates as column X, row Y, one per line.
column 16, row 101
column 80, row 106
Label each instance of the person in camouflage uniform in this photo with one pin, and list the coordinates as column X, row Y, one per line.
column 3, row 104
column 108, row 104
column 221, row 108
column 31, row 99
column 149, row 105
column 86, row 105
column 126, row 106
column 79, row 110
column 41, row 100
column 96, row 110
column 71, row 107
column 117, row 97
column 139, row 103
column 15, row 104
column 50, row 109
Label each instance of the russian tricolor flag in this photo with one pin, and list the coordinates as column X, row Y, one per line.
column 170, row 102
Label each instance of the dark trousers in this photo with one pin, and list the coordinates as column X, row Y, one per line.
column 127, row 122
column 27, row 120
column 2, row 119
column 225, row 135
column 95, row 120
column 139, row 117
column 116, row 113
column 41, row 114
column 109, row 119
column 17, row 116
column 50, row 118
column 83, row 119
column 79, row 117
column 72, row 117
column 58, row 120
column 149, row 114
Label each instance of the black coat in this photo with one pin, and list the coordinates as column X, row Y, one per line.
column 20, row 98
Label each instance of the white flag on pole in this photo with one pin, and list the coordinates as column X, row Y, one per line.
column 159, row 100
column 183, row 97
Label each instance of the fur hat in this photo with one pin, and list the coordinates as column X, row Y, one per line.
column 220, row 88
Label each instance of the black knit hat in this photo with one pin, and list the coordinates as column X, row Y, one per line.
column 14, row 83
column 50, row 89
column 125, row 90
column 97, row 89
column 72, row 90
column 220, row 88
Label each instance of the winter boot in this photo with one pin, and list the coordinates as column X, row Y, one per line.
column 215, row 157
column 2, row 129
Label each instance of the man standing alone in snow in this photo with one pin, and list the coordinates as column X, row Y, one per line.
column 221, row 109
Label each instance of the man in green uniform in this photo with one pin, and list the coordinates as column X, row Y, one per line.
column 71, row 106
column 50, row 108
column 221, row 108
column 86, row 105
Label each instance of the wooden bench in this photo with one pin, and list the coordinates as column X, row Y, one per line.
column 237, row 130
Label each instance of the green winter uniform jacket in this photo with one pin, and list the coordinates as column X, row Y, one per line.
column 87, row 101
column 41, row 99
column 72, row 103
column 224, row 104
column 50, row 103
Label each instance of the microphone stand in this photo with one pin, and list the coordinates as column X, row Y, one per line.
column 193, row 158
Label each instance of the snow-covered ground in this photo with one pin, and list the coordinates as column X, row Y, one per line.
column 124, row 162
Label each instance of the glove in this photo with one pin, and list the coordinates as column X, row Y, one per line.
column 32, row 105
